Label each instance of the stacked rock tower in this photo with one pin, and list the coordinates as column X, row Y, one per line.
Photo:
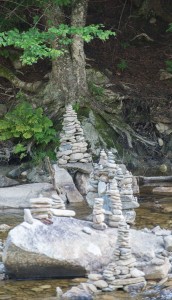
column 98, row 215
column 73, row 147
column 122, row 273
column 115, row 205
column 40, row 207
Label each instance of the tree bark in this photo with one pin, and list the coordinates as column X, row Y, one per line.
column 78, row 18
column 68, row 77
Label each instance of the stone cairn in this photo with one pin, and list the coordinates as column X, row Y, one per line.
column 121, row 273
column 98, row 215
column 57, row 202
column 45, row 208
column 40, row 207
column 73, row 147
column 103, row 174
column 129, row 202
column 115, row 205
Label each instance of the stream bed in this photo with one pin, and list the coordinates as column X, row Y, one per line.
column 153, row 211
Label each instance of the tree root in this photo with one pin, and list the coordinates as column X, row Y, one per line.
column 121, row 127
column 25, row 86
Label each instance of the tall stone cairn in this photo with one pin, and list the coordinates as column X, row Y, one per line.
column 129, row 201
column 115, row 205
column 103, row 158
column 121, row 273
column 98, row 215
column 73, row 147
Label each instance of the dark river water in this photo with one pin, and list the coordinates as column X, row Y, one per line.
column 153, row 210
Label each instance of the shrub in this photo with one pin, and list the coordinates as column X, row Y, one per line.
column 26, row 126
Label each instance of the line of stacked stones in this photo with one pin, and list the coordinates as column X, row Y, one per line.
column 115, row 205
column 121, row 273
column 73, row 147
column 103, row 174
column 98, row 215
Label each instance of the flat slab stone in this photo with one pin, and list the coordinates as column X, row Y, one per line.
column 162, row 190
column 19, row 196
column 81, row 167
column 127, row 281
column 64, row 181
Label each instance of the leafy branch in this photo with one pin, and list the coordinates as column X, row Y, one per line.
column 36, row 44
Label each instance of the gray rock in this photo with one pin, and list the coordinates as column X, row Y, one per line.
column 153, row 271
column 81, row 182
column 168, row 243
column 101, row 188
column 101, row 284
column 5, row 181
column 91, row 198
column 75, row 293
column 19, row 196
column 137, row 287
column 49, row 247
column 65, row 182
column 80, row 167
column 4, row 227
column 2, row 268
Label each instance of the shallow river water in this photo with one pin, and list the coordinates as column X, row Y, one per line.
column 153, row 211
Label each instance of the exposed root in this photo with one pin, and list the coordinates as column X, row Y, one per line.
column 121, row 127
column 25, row 86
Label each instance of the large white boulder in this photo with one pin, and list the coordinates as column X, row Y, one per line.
column 64, row 249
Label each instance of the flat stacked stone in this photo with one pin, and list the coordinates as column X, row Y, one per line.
column 129, row 202
column 57, row 202
column 103, row 158
column 40, row 207
column 121, row 273
column 115, row 205
column 98, row 215
column 73, row 147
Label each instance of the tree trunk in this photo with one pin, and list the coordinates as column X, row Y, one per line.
column 67, row 82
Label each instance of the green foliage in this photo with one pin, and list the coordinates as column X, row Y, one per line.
column 36, row 44
column 25, row 124
column 169, row 62
column 169, row 65
column 170, row 28
column 76, row 106
column 96, row 90
column 122, row 65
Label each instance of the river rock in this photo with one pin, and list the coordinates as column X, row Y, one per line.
column 162, row 190
column 157, row 272
column 81, row 182
column 63, row 212
column 5, row 181
column 65, row 182
column 168, row 243
column 19, row 196
column 77, row 293
column 62, row 249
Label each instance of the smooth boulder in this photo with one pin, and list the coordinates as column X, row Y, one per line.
column 19, row 196
column 63, row 249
